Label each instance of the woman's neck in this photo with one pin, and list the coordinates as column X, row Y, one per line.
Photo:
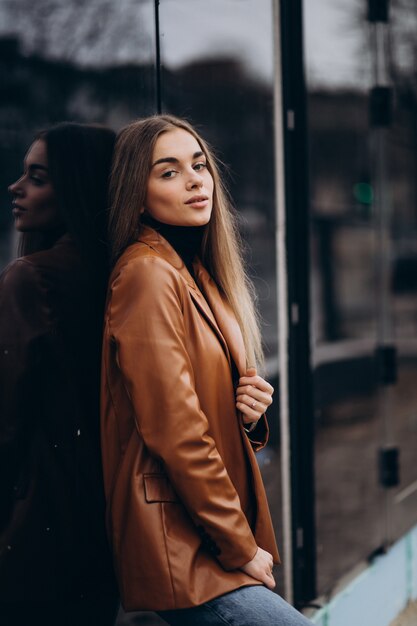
column 186, row 240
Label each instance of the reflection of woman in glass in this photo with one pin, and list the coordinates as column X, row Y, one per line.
column 54, row 561
column 187, row 512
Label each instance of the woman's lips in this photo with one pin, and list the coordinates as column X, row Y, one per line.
column 17, row 210
column 198, row 202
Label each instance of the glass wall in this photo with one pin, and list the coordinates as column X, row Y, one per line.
column 363, row 292
column 401, row 157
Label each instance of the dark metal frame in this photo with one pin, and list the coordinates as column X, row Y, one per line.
column 298, row 257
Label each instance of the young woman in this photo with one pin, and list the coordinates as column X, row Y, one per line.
column 54, row 559
column 182, row 408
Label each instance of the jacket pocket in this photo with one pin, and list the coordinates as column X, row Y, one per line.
column 158, row 488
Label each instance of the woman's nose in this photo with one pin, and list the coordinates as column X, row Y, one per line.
column 15, row 188
column 195, row 180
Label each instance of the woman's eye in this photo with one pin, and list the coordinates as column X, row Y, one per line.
column 169, row 174
column 200, row 166
column 37, row 181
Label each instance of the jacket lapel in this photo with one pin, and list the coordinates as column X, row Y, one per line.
column 151, row 238
column 224, row 317
column 204, row 309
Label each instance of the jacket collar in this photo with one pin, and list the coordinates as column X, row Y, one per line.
column 159, row 244
column 209, row 300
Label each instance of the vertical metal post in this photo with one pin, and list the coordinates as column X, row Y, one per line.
column 299, row 417
column 282, row 291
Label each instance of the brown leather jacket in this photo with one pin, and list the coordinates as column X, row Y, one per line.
column 186, row 505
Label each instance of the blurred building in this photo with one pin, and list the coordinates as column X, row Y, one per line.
column 311, row 105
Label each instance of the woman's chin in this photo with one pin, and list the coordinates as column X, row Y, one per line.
column 21, row 228
column 200, row 220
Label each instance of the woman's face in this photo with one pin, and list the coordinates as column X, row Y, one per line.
column 34, row 204
column 180, row 187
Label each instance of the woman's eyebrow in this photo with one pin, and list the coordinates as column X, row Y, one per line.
column 37, row 166
column 196, row 155
column 165, row 160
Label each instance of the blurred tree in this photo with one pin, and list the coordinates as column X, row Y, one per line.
column 95, row 33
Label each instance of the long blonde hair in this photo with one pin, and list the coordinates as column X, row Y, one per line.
column 221, row 248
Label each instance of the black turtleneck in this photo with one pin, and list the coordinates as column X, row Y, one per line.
column 186, row 240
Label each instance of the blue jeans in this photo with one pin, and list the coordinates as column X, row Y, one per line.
column 247, row 606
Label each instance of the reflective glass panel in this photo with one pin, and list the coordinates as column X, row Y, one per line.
column 401, row 149
column 345, row 287
column 72, row 60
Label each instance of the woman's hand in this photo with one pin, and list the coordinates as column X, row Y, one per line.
column 253, row 396
column 260, row 568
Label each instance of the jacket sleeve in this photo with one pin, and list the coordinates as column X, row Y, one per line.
column 146, row 322
column 260, row 434
column 23, row 322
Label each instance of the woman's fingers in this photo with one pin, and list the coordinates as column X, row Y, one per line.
column 269, row 581
column 250, row 413
column 250, row 394
column 253, row 396
column 260, row 568
column 258, row 382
